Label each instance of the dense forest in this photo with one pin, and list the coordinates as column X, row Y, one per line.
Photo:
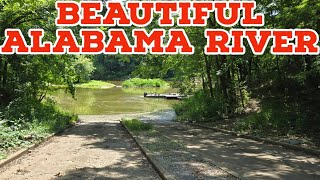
column 264, row 94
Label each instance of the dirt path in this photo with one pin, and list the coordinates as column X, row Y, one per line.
column 95, row 149
column 250, row 159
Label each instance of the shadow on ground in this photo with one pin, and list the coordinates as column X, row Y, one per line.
column 250, row 159
column 122, row 159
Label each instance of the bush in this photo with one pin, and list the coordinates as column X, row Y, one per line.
column 24, row 122
column 137, row 82
column 273, row 118
column 137, row 125
column 199, row 107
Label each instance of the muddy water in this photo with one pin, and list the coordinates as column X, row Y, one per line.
column 116, row 100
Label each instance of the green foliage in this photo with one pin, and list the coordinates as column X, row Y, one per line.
column 139, row 91
column 153, row 66
column 199, row 107
column 84, row 68
column 278, row 118
column 137, row 82
column 113, row 67
column 95, row 85
column 137, row 125
column 25, row 80
column 286, row 86
column 273, row 118
column 23, row 123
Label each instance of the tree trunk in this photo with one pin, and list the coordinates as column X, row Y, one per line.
column 240, row 91
column 203, row 83
column 250, row 71
column 309, row 61
column 223, row 80
column 208, row 70
column 1, row 73
column 278, row 68
column 5, row 74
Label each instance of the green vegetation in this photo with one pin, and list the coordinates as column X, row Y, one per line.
column 92, row 84
column 24, row 124
column 137, row 82
column 140, row 91
column 113, row 67
column 276, row 119
column 137, row 125
column 198, row 107
column 83, row 67
column 26, row 115
column 95, row 85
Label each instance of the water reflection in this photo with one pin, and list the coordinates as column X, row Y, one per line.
column 112, row 101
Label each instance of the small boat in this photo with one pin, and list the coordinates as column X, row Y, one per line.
column 165, row 96
column 154, row 95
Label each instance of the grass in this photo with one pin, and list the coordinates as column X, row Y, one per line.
column 137, row 82
column 20, row 129
column 137, row 125
column 94, row 84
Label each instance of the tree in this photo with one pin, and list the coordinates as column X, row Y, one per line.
column 83, row 68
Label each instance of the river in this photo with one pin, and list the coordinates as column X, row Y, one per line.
column 115, row 100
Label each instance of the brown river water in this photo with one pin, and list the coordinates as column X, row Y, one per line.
column 115, row 100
